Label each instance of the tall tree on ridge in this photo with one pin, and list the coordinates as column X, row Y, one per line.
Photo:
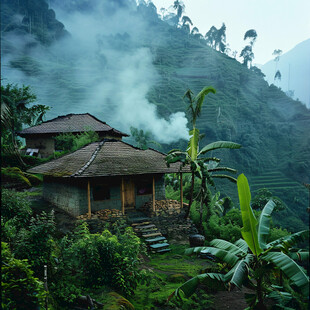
column 277, row 53
column 247, row 52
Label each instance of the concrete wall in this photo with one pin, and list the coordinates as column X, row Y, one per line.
column 71, row 194
column 45, row 145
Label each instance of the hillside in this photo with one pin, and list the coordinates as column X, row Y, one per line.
column 135, row 74
column 295, row 72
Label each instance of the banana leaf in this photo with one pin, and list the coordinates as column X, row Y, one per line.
column 227, row 246
column 299, row 255
column 224, row 176
column 200, row 98
column 264, row 223
column 226, row 256
column 242, row 245
column 294, row 272
column 288, row 241
column 219, row 145
column 192, row 148
column 241, row 273
column 222, row 169
column 189, row 287
column 249, row 229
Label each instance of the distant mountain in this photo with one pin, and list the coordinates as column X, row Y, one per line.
column 294, row 67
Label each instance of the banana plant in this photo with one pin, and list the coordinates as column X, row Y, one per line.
column 192, row 156
column 252, row 259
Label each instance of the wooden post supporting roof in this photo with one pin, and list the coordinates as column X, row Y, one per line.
column 154, row 194
column 181, row 189
column 123, row 197
column 88, row 198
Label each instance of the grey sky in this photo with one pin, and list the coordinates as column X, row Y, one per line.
column 280, row 24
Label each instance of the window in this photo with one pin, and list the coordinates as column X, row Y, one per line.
column 144, row 188
column 101, row 192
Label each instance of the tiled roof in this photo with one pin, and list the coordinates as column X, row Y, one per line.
column 71, row 123
column 108, row 158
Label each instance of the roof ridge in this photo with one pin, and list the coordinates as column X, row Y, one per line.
column 92, row 158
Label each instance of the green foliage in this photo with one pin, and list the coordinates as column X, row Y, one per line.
column 17, row 100
column 15, row 176
column 249, row 232
column 254, row 270
column 70, row 142
column 20, row 289
column 34, row 242
column 14, row 205
column 143, row 138
column 262, row 196
column 92, row 260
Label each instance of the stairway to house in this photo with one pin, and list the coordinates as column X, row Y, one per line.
column 150, row 234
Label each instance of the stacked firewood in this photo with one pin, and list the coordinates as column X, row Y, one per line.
column 162, row 207
column 103, row 215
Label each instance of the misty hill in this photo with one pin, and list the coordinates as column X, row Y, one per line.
column 295, row 72
column 126, row 66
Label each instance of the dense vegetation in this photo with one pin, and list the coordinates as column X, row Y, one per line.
column 112, row 264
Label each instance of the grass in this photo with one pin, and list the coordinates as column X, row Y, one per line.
column 166, row 273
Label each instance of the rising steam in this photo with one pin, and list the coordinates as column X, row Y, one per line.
column 102, row 68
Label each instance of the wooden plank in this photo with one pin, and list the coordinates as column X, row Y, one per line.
column 138, row 224
column 145, row 226
column 181, row 189
column 152, row 235
column 88, row 198
column 123, row 197
column 154, row 194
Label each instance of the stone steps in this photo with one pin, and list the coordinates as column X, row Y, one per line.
column 154, row 240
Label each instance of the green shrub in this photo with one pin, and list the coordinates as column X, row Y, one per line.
column 20, row 289
column 71, row 142
column 92, row 260
column 35, row 242
column 15, row 205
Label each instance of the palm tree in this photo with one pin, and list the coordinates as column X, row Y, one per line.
column 253, row 259
column 193, row 156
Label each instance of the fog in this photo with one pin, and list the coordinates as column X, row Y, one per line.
column 101, row 67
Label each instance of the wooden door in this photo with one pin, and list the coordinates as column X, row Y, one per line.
column 129, row 194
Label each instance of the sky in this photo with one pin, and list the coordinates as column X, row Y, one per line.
column 280, row 24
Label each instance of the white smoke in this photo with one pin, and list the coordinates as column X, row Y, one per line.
column 102, row 68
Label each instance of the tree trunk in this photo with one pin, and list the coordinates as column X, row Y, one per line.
column 191, row 196
column 260, row 305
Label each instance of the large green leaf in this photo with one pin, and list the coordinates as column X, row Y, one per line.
column 219, row 145
column 299, row 255
column 226, row 256
column 286, row 242
column 222, row 169
column 290, row 268
column 249, row 229
column 240, row 273
column 225, row 176
column 227, row 246
column 242, row 245
column 189, row 287
column 264, row 223
column 192, row 148
column 200, row 98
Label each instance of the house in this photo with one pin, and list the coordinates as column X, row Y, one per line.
column 110, row 174
column 40, row 139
